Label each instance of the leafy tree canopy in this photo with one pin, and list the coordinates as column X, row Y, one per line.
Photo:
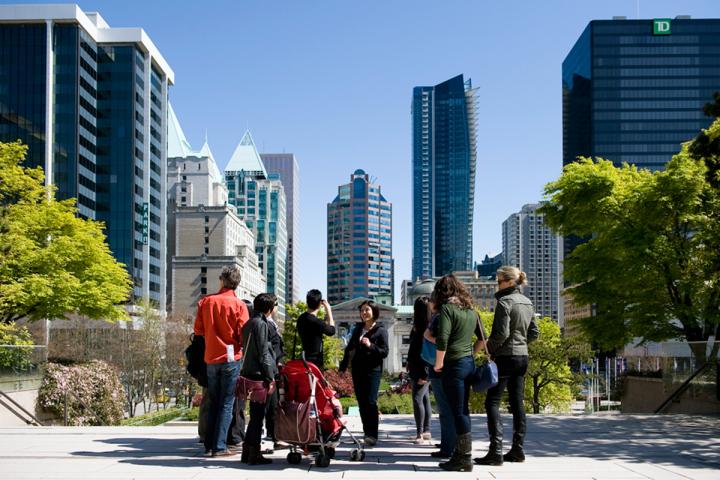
column 52, row 262
column 652, row 261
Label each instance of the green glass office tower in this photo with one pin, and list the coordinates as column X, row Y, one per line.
column 633, row 90
column 444, row 156
column 359, row 242
column 90, row 102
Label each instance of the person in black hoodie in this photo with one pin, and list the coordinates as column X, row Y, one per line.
column 258, row 364
column 365, row 352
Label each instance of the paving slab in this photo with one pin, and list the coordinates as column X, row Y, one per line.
column 600, row 447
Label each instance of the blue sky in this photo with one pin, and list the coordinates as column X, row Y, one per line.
column 331, row 81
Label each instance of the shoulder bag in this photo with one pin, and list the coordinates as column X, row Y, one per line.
column 486, row 374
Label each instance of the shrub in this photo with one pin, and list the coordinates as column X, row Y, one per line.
column 17, row 358
column 96, row 395
column 348, row 402
column 340, row 382
column 392, row 403
column 154, row 418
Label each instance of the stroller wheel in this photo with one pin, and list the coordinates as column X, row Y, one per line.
column 357, row 455
column 330, row 452
column 294, row 458
column 322, row 461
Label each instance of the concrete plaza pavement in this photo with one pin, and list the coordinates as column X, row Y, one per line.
column 558, row 447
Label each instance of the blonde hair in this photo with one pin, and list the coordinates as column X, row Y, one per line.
column 512, row 274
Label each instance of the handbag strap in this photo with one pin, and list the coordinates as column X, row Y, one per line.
column 482, row 335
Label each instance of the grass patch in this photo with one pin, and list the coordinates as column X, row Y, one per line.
column 154, row 418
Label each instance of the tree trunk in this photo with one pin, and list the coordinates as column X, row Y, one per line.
column 536, row 395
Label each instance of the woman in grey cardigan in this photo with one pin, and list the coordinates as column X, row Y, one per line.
column 513, row 328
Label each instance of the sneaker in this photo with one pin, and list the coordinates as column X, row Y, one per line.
column 427, row 436
column 208, row 453
column 419, row 440
column 280, row 445
column 370, row 441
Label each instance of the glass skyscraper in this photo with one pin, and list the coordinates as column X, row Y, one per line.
column 285, row 165
column 90, row 102
column 633, row 90
column 259, row 198
column 444, row 156
column 359, row 246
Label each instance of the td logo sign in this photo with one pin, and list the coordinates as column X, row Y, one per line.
column 661, row 26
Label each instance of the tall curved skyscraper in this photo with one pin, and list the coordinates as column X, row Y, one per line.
column 444, row 157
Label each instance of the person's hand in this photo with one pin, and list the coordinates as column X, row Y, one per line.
column 325, row 304
column 365, row 341
column 437, row 368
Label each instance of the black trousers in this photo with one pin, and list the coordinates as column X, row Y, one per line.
column 511, row 373
column 270, row 410
column 367, row 384
column 253, row 436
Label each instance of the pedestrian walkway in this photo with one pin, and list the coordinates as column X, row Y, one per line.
column 558, row 447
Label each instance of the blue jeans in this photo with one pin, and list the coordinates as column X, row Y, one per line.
column 456, row 379
column 222, row 378
column 447, row 423
column 367, row 384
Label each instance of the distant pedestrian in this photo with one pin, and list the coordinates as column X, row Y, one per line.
column 364, row 354
column 220, row 319
column 514, row 327
column 312, row 329
column 418, row 370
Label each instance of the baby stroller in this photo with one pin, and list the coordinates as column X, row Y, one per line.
column 309, row 417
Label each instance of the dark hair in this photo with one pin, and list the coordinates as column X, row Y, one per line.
column 313, row 298
column 450, row 287
column 230, row 276
column 421, row 314
column 264, row 303
column 373, row 306
column 249, row 305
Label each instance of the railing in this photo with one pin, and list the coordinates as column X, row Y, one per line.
column 689, row 370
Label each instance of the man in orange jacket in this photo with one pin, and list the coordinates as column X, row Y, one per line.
column 220, row 318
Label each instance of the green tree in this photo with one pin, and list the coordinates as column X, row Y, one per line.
column 332, row 346
column 550, row 382
column 652, row 262
column 15, row 347
column 52, row 262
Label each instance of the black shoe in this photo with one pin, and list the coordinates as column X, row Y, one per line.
column 458, row 463
column 514, row 455
column 255, row 457
column 440, row 454
column 494, row 459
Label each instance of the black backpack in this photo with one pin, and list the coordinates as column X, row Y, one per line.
column 195, row 356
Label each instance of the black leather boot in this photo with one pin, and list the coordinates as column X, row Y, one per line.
column 255, row 457
column 515, row 454
column 461, row 460
column 491, row 458
column 245, row 452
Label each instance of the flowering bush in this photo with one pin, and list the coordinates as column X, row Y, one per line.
column 95, row 395
column 340, row 382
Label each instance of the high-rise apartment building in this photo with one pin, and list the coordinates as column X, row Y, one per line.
column 444, row 157
column 530, row 245
column 259, row 198
column 285, row 165
column 633, row 90
column 90, row 101
column 359, row 248
column 204, row 231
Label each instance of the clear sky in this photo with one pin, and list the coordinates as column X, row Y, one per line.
column 331, row 81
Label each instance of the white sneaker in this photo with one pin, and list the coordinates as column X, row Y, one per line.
column 419, row 440
column 427, row 436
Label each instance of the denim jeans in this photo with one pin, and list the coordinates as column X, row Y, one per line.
column 222, row 378
column 511, row 373
column 366, row 384
column 456, row 379
column 447, row 422
column 421, row 406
